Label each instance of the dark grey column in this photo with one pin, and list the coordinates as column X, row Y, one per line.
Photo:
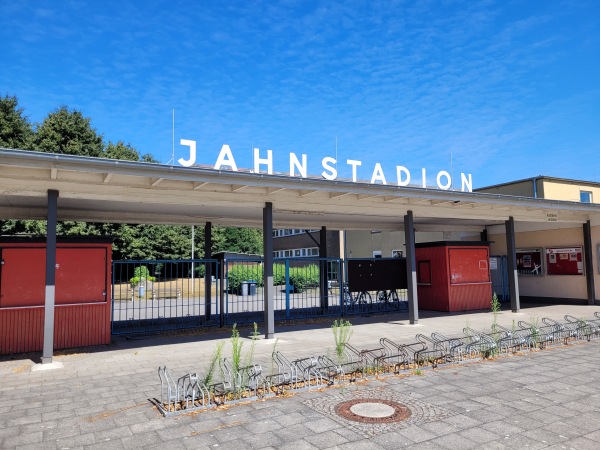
column 589, row 262
column 511, row 260
column 323, row 265
column 411, row 269
column 222, row 263
column 207, row 270
column 48, row 350
column 268, row 293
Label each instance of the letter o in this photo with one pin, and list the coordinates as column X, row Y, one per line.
column 443, row 173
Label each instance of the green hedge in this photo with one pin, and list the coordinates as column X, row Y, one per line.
column 300, row 277
column 242, row 272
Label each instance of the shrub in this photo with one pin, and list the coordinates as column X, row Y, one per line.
column 141, row 274
column 243, row 272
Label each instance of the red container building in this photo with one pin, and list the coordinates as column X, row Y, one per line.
column 453, row 276
column 83, row 292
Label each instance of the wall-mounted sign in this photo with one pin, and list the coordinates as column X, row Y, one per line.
column 564, row 261
column 400, row 175
column 529, row 262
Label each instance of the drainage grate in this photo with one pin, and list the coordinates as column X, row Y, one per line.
column 373, row 411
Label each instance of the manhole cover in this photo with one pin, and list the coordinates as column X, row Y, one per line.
column 372, row 410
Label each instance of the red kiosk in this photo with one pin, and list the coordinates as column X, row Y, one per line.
column 453, row 276
column 83, row 292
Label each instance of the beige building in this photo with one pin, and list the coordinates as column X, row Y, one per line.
column 389, row 244
column 550, row 188
column 550, row 257
column 557, row 248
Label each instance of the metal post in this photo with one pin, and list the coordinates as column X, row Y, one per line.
column 207, row 270
column 48, row 350
column 268, row 293
column 411, row 268
column 222, row 269
column 589, row 262
column 323, row 269
column 511, row 260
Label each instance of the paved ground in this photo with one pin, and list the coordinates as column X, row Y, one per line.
column 544, row 399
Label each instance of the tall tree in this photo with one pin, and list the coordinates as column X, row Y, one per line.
column 238, row 240
column 15, row 129
column 121, row 150
column 69, row 132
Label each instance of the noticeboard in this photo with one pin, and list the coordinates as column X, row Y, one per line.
column 529, row 262
column 376, row 274
column 564, row 261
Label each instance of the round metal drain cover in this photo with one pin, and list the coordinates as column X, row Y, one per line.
column 372, row 410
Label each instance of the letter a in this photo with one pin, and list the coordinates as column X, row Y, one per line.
column 226, row 159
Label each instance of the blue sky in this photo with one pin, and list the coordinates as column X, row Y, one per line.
column 507, row 89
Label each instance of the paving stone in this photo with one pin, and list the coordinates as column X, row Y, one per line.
column 327, row 439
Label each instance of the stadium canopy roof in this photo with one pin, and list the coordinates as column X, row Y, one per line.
column 104, row 190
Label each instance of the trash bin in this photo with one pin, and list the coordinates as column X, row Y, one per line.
column 252, row 287
column 245, row 288
column 141, row 290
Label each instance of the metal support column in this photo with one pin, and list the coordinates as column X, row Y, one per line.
column 323, row 269
column 222, row 269
column 48, row 350
column 511, row 260
column 411, row 269
column 268, row 292
column 589, row 262
column 208, row 270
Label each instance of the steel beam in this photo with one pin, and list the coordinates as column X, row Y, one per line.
column 411, row 268
column 323, row 269
column 48, row 349
column 589, row 262
column 208, row 270
column 268, row 292
column 511, row 260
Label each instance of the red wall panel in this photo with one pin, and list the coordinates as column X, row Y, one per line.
column 22, row 329
column 82, row 312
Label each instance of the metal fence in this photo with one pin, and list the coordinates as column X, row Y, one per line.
column 301, row 289
column 153, row 296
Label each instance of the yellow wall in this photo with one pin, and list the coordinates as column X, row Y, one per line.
column 565, row 286
column 569, row 192
column 360, row 244
column 520, row 189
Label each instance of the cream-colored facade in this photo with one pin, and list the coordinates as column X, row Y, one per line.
column 554, row 235
column 550, row 188
column 365, row 244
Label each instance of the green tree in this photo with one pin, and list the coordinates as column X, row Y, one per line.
column 147, row 157
column 69, row 132
column 121, row 150
column 15, row 129
column 238, row 240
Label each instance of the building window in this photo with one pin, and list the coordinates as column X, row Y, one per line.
column 377, row 254
column 290, row 232
column 585, row 196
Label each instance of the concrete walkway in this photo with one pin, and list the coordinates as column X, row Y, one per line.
column 100, row 398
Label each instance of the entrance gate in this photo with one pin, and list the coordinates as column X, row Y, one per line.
column 155, row 296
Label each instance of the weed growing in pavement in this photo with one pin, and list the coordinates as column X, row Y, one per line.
column 212, row 365
column 272, row 368
column 255, row 333
column 236, row 348
column 342, row 332
column 495, row 310
column 534, row 331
